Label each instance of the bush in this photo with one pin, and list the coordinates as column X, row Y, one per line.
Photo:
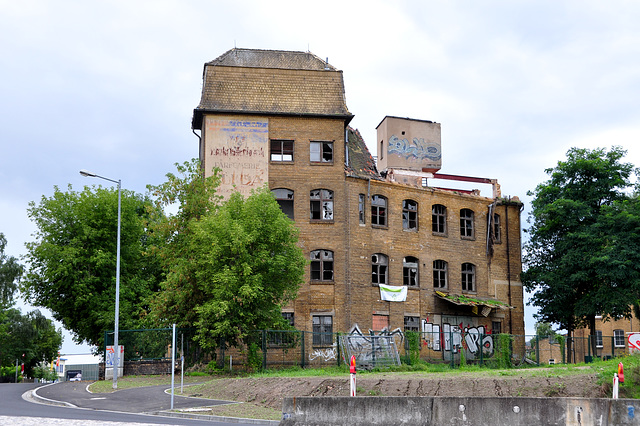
column 8, row 374
column 43, row 371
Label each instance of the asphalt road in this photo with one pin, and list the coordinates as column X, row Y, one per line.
column 124, row 407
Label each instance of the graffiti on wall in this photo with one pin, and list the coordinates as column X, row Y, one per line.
column 325, row 354
column 416, row 149
column 240, row 149
column 373, row 348
column 453, row 337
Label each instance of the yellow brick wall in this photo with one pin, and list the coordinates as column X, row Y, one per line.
column 351, row 298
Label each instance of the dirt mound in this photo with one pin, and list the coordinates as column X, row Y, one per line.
column 269, row 392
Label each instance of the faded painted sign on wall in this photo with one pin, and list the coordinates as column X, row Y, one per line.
column 240, row 148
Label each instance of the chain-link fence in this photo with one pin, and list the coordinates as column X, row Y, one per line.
column 267, row 349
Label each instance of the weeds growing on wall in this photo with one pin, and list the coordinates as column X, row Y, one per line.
column 412, row 345
column 503, row 350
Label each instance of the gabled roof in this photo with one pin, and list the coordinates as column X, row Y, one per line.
column 271, row 82
column 360, row 162
column 283, row 59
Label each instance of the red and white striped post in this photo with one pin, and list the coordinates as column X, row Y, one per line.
column 352, row 370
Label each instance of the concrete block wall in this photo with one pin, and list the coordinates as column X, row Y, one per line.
column 427, row 411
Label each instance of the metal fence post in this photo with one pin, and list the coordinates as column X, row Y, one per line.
column 302, row 350
column 481, row 349
column 453, row 364
column 538, row 350
column 264, row 349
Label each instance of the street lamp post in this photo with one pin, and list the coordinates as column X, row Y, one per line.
column 116, row 360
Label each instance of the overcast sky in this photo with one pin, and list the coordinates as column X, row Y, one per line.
column 110, row 86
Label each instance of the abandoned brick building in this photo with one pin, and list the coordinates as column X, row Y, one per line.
column 386, row 250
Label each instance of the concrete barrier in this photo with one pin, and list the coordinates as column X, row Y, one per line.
column 426, row 411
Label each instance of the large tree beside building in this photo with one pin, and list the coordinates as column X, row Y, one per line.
column 72, row 262
column 233, row 264
column 583, row 255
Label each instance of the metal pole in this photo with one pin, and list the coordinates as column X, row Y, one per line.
column 116, row 358
column 117, row 314
column 173, row 362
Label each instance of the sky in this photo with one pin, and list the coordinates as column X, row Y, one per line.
column 110, row 86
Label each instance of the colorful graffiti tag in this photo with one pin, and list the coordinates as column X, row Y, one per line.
column 417, row 149
column 473, row 338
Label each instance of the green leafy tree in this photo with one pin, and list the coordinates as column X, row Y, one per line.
column 248, row 267
column 231, row 266
column 29, row 338
column 582, row 258
column 170, row 239
column 10, row 272
column 72, row 261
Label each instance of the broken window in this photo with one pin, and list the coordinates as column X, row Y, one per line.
column 411, row 324
column 322, row 330
column 321, row 204
column 496, row 327
column 321, row 265
column 410, row 271
column 361, row 208
column 284, row 197
column 378, row 210
column 439, row 219
column 281, row 150
column 379, row 269
column 439, row 274
column 466, row 223
column 468, row 277
column 496, row 228
column 321, row 152
column 409, row 215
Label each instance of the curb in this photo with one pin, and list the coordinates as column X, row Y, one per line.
column 216, row 418
column 32, row 396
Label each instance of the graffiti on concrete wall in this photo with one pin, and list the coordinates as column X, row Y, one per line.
column 417, row 149
column 453, row 337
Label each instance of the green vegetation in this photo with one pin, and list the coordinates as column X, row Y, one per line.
column 583, row 255
column 72, row 262
column 28, row 338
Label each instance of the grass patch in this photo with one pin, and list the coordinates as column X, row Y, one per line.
column 244, row 410
column 128, row 382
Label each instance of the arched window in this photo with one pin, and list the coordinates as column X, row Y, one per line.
column 321, row 265
column 440, row 274
column 379, row 269
column 439, row 219
column 378, row 210
column 409, row 215
column 284, row 197
column 466, row 223
column 468, row 277
column 410, row 268
column 321, row 204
